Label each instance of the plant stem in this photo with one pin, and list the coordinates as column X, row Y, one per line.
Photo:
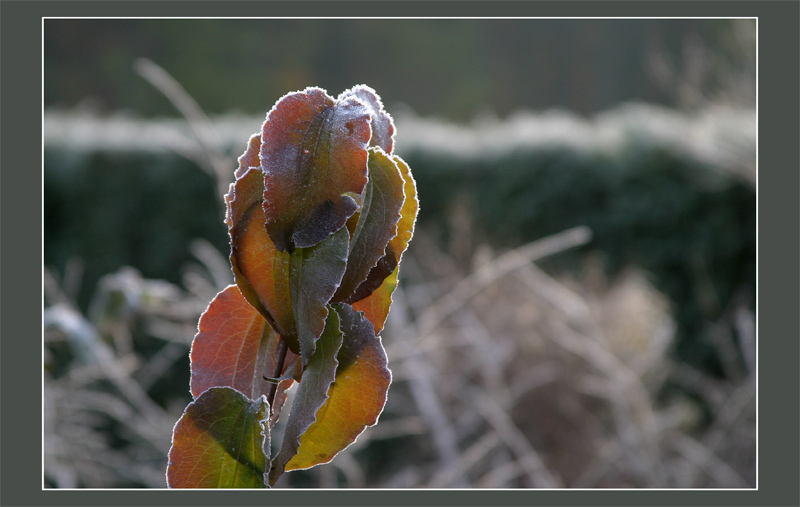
column 281, row 353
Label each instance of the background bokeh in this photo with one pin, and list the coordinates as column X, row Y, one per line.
column 446, row 68
column 621, row 359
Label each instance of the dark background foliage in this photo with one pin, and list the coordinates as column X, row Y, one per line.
column 448, row 68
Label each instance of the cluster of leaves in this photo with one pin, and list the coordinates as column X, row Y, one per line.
column 319, row 215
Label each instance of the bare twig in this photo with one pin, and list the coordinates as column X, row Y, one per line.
column 503, row 265
column 474, row 453
column 216, row 163
column 217, row 265
column 423, row 389
column 707, row 461
column 517, row 443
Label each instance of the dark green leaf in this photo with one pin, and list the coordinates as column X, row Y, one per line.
column 316, row 272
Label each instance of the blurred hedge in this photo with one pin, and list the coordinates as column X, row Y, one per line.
column 691, row 228
column 114, row 209
column 680, row 214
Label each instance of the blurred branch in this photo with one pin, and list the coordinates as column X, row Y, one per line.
column 515, row 440
column 707, row 461
column 215, row 162
column 474, row 453
column 53, row 292
column 218, row 266
column 503, row 265
column 423, row 390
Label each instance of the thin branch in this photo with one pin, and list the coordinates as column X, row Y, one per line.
column 517, row 443
column 218, row 164
column 503, row 265
column 281, row 355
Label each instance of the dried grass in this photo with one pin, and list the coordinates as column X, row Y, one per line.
column 503, row 377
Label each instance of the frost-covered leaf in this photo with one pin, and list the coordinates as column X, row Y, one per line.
column 382, row 123
column 319, row 215
column 314, row 156
column 405, row 227
column 221, row 441
column 250, row 158
column 374, row 295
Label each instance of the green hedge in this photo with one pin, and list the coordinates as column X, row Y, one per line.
column 690, row 225
column 114, row 209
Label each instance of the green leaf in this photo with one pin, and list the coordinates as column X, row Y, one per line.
column 377, row 224
column 314, row 157
column 315, row 274
column 260, row 270
column 312, row 392
column 221, row 441
column 355, row 399
column 235, row 347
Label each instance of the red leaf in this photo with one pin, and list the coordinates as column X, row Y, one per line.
column 235, row 347
column 313, row 153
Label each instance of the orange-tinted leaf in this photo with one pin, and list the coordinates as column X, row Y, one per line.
column 382, row 123
column 374, row 295
column 316, row 272
column 313, row 153
column 312, row 392
column 260, row 270
column 376, row 306
column 221, row 441
column 235, row 347
column 355, row 399
column 377, row 222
